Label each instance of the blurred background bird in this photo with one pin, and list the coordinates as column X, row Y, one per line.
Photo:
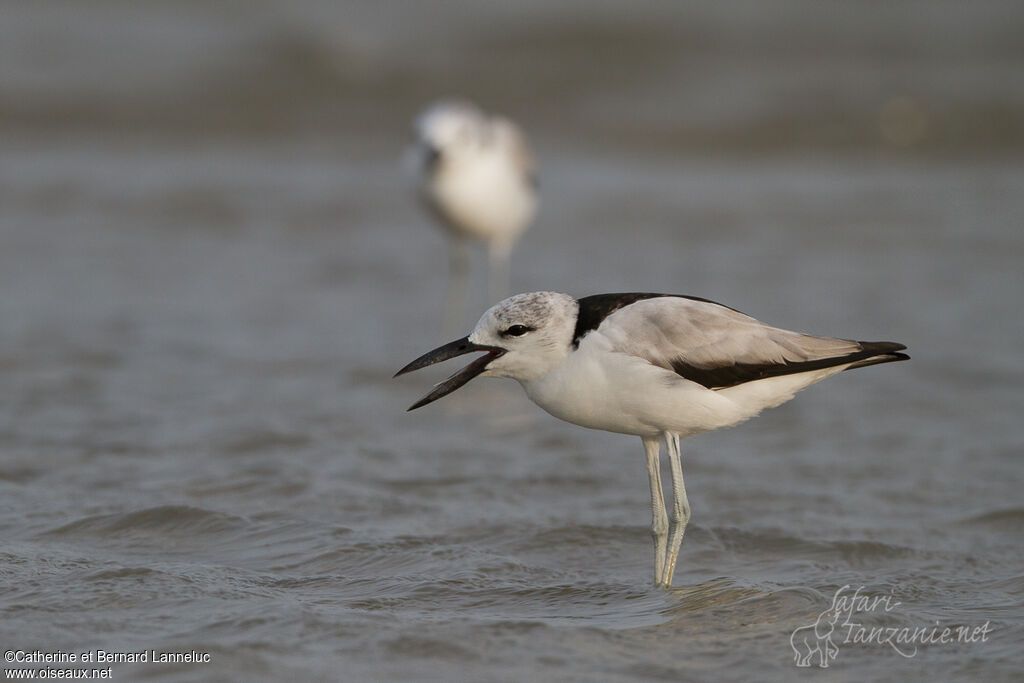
column 476, row 176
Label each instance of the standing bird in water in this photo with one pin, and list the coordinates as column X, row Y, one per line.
column 476, row 176
column 662, row 367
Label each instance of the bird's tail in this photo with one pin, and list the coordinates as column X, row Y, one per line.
column 882, row 352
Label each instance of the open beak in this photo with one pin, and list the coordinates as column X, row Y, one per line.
column 443, row 353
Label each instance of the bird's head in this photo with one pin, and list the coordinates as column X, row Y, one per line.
column 522, row 337
column 446, row 130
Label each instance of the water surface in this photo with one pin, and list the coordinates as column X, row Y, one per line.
column 211, row 266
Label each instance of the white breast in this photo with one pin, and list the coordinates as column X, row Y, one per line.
column 484, row 196
column 620, row 393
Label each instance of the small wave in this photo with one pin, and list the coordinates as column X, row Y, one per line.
column 1008, row 519
column 715, row 593
column 579, row 535
column 855, row 551
column 163, row 520
column 421, row 646
column 265, row 440
column 18, row 473
column 123, row 573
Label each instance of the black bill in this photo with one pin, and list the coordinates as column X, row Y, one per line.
column 443, row 353
column 429, row 156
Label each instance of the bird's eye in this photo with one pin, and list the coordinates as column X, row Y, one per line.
column 517, row 331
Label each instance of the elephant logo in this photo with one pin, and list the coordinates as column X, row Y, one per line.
column 816, row 638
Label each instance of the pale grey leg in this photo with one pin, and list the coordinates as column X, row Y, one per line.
column 499, row 253
column 680, row 505
column 458, row 283
column 659, row 518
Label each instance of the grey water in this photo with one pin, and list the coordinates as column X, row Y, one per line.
column 211, row 264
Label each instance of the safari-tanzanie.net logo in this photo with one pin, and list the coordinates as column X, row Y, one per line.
column 843, row 623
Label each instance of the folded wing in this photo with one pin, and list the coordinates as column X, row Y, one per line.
column 718, row 347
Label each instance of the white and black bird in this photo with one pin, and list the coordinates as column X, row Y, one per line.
column 662, row 367
column 476, row 175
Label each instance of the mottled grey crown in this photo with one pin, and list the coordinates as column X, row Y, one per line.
column 440, row 123
column 532, row 309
